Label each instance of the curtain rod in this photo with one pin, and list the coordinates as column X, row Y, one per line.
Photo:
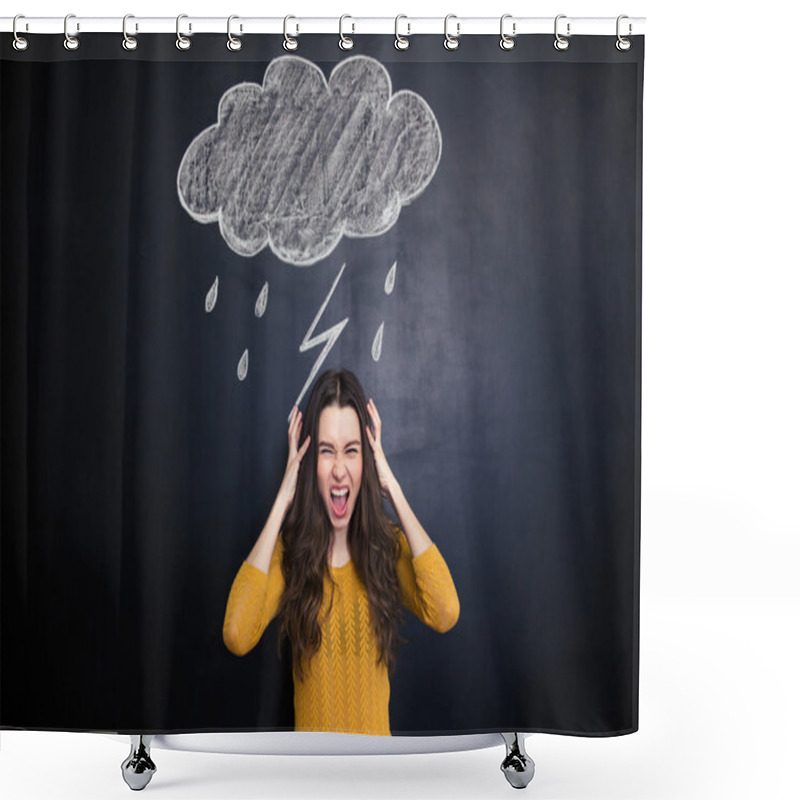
column 297, row 25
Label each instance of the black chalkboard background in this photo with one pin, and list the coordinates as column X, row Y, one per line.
column 138, row 470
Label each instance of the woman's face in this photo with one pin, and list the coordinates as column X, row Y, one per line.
column 339, row 463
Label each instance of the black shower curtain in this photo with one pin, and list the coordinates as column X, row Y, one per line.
column 461, row 229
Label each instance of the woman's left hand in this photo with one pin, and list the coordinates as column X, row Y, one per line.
column 384, row 473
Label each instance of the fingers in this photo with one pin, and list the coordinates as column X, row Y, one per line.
column 376, row 420
column 302, row 451
column 292, row 420
column 373, row 410
column 375, row 443
column 295, row 424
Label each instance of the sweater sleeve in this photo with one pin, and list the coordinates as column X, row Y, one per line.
column 427, row 587
column 252, row 603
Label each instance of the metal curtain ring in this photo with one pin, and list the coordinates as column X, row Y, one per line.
column 400, row 42
column 288, row 42
column 622, row 43
column 451, row 42
column 507, row 42
column 561, row 43
column 233, row 43
column 345, row 42
column 129, row 42
column 182, row 43
column 70, row 42
column 20, row 42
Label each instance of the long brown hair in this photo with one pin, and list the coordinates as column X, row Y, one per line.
column 373, row 539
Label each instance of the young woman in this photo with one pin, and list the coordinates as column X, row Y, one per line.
column 335, row 569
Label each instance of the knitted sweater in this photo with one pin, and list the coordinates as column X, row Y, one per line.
column 344, row 690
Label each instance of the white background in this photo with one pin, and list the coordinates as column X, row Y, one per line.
column 719, row 701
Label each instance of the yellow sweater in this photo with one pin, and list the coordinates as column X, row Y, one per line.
column 345, row 690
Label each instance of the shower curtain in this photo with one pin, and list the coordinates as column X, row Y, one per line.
column 190, row 238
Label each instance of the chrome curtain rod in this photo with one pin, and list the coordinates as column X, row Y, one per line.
column 297, row 25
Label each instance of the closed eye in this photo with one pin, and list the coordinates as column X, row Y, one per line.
column 328, row 449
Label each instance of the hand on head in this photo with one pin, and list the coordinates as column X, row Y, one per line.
column 289, row 484
column 384, row 473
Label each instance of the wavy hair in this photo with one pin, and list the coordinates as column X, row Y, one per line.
column 373, row 539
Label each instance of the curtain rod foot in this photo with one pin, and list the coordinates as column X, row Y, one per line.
column 517, row 766
column 138, row 768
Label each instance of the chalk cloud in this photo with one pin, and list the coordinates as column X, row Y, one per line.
column 299, row 162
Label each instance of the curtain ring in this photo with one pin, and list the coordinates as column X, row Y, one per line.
column 182, row 43
column 561, row 43
column 451, row 42
column 70, row 42
column 129, row 42
column 20, row 42
column 507, row 42
column 233, row 44
column 400, row 42
column 345, row 42
column 288, row 42
column 622, row 43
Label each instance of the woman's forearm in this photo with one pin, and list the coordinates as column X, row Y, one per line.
column 418, row 539
column 261, row 554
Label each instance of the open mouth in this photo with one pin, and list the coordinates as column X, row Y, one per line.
column 339, row 500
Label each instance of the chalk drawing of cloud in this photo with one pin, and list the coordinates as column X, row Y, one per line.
column 299, row 162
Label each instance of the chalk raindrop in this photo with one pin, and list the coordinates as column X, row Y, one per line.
column 211, row 297
column 261, row 303
column 241, row 370
column 388, row 287
column 377, row 344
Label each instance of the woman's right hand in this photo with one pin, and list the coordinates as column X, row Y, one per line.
column 289, row 484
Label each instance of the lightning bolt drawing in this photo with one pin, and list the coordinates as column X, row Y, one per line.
column 328, row 337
